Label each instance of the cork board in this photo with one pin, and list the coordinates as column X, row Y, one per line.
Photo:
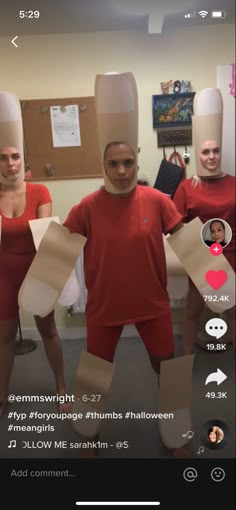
column 47, row 162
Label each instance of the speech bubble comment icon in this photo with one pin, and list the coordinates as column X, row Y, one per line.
column 216, row 327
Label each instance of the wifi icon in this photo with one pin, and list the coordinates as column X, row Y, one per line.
column 203, row 14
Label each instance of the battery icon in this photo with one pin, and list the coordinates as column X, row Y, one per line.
column 218, row 14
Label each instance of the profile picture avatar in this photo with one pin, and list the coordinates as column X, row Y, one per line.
column 214, row 434
column 216, row 231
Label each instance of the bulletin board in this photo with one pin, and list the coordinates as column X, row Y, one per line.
column 49, row 162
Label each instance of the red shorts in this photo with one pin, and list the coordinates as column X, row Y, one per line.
column 156, row 334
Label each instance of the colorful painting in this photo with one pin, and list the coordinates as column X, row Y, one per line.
column 172, row 110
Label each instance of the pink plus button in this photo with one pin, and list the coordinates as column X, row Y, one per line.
column 216, row 249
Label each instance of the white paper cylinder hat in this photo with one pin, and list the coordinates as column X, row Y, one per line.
column 116, row 102
column 207, row 121
column 11, row 132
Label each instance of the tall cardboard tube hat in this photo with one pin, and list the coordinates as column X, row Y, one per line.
column 11, row 133
column 116, row 103
column 207, row 121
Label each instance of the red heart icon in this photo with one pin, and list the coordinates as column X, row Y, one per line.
column 216, row 278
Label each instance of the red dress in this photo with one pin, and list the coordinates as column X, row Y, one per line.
column 17, row 249
column 125, row 266
column 214, row 198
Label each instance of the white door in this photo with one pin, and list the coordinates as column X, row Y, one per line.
column 224, row 79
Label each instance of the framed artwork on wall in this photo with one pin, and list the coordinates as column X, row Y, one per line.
column 172, row 110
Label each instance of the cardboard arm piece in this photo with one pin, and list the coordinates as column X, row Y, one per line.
column 52, row 266
column 71, row 291
column 177, row 278
column 93, row 380
column 197, row 261
column 175, row 397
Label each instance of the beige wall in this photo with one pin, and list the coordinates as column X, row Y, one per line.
column 66, row 65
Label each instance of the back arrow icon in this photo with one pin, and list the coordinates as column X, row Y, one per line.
column 217, row 377
column 13, row 41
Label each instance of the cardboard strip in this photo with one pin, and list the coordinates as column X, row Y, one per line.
column 53, row 264
column 197, row 261
column 171, row 431
column 177, row 278
column 173, row 265
column 37, row 297
column 177, row 287
column 71, row 291
column 93, row 380
column 39, row 227
column 175, row 396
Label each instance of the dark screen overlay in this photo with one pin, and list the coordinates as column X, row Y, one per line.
column 41, row 448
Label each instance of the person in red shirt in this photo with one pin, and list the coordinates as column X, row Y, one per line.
column 124, row 253
column 125, row 266
column 124, row 259
column 207, row 197
column 20, row 202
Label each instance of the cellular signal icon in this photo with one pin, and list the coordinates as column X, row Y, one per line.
column 190, row 15
column 203, row 14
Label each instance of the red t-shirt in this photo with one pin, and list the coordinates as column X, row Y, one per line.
column 16, row 234
column 125, row 267
column 214, row 198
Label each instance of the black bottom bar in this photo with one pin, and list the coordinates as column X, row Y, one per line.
column 59, row 484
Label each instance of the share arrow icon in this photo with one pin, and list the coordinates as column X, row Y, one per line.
column 217, row 377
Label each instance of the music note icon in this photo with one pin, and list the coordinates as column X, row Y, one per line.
column 12, row 444
column 201, row 449
column 189, row 434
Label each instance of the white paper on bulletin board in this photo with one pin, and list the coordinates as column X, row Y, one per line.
column 65, row 126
